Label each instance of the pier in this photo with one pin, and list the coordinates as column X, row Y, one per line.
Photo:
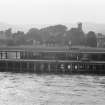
column 66, row 61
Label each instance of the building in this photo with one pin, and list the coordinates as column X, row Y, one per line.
column 100, row 40
column 79, row 26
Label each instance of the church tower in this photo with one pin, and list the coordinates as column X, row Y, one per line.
column 80, row 26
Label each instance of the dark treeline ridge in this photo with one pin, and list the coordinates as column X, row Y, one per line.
column 51, row 35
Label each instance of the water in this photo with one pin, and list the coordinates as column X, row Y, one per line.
column 33, row 89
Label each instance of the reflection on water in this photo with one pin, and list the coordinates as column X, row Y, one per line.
column 33, row 89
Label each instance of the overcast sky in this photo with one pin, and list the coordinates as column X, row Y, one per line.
column 51, row 11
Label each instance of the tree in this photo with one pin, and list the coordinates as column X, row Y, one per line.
column 56, row 31
column 19, row 38
column 34, row 34
column 10, row 42
column 8, row 32
column 75, row 36
column 91, row 39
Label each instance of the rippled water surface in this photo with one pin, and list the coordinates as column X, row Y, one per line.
column 33, row 89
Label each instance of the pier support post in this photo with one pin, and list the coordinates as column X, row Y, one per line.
column 6, row 68
column 20, row 64
column 42, row 66
column 34, row 67
column 28, row 67
column 49, row 67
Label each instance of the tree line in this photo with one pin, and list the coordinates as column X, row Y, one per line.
column 56, row 35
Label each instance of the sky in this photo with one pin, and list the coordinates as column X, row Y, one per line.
column 51, row 11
